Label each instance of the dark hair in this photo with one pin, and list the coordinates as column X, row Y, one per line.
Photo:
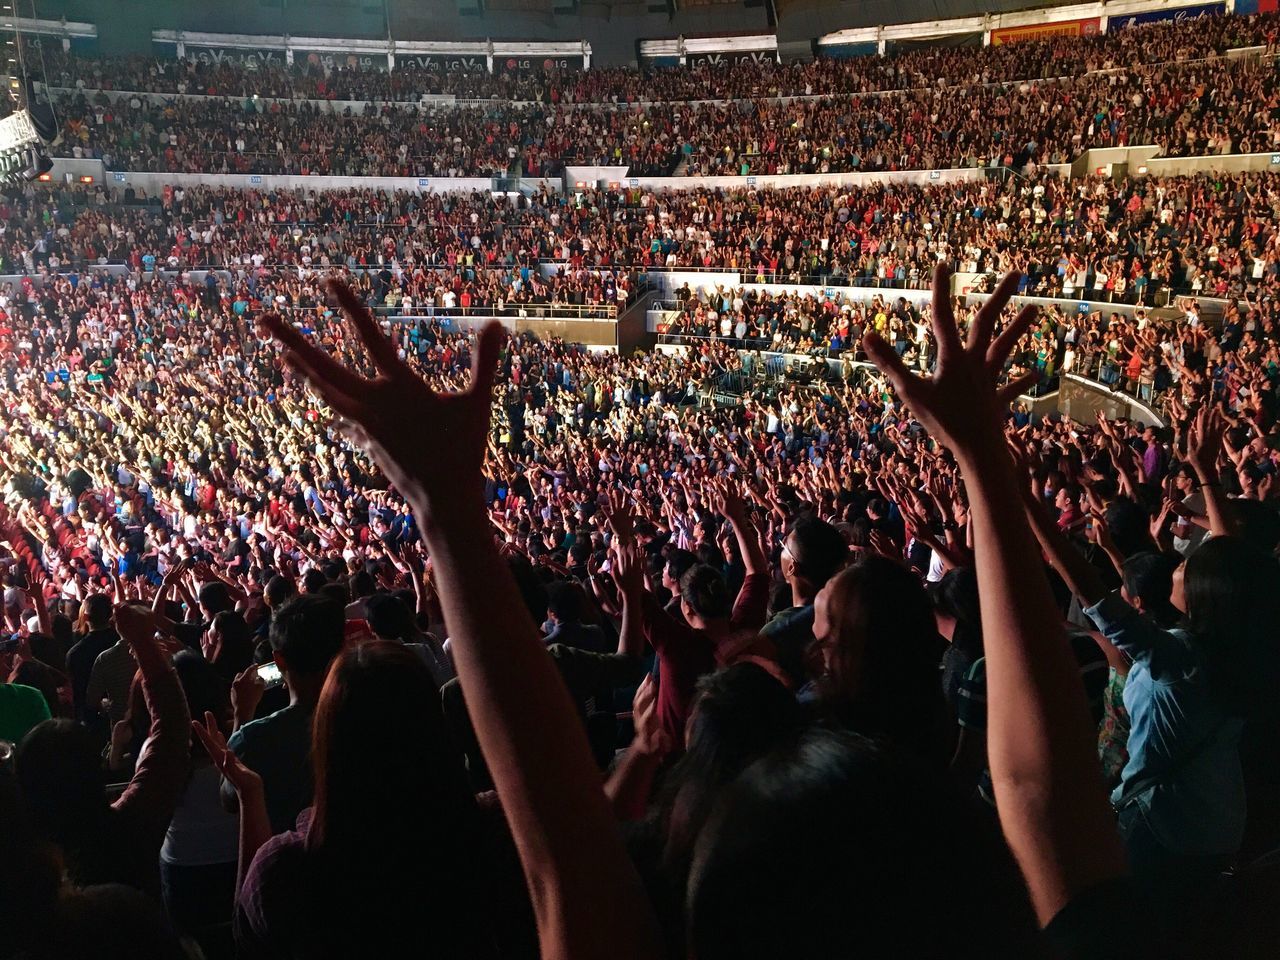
column 1148, row 576
column 565, row 601
column 956, row 596
column 819, row 551
column 704, row 589
column 739, row 713
column 388, row 616
column 392, row 803
column 206, row 690
column 337, row 592
column 1129, row 525
column 308, row 632
column 278, row 590
column 859, row 844
column 97, row 610
column 1259, row 522
column 59, row 765
column 214, row 598
column 1233, row 605
column 42, row 677
column 883, row 678
column 361, row 583
column 679, row 562
column 313, row 581
column 235, row 651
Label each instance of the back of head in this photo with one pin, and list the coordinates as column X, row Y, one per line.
column 313, row 581
column 385, row 768
column 278, row 590
column 307, row 632
column 97, row 611
column 565, row 601
column 704, row 590
column 362, row 583
column 206, row 688
column 235, row 643
column 59, row 765
column 862, row 848
column 388, row 617
column 880, row 656
column 1128, row 524
column 1148, row 578
column 214, row 598
column 740, row 713
column 817, row 549
column 1232, row 591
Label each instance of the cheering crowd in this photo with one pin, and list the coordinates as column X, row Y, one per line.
column 337, row 623
column 1136, row 240
column 335, row 77
column 174, row 458
column 1187, row 109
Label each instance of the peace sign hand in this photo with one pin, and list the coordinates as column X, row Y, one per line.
column 431, row 445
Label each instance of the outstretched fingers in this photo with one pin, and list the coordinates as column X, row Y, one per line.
column 985, row 322
column 379, row 347
column 1003, row 345
column 484, row 363
column 944, row 319
column 317, row 366
column 890, row 364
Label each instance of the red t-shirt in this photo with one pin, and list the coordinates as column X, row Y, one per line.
column 685, row 654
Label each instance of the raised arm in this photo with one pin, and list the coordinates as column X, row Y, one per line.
column 587, row 897
column 1049, row 790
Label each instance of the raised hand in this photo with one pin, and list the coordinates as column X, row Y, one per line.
column 227, row 763
column 960, row 403
column 650, row 739
column 1204, row 442
column 431, row 445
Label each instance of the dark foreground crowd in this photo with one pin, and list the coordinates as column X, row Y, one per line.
column 321, row 646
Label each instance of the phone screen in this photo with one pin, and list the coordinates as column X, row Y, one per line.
column 270, row 674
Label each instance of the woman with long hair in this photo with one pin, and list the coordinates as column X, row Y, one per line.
column 385, row 860
column 875, row 657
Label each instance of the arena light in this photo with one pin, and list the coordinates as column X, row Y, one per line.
column 86, row 179
column 45, row 177
column 24, row 134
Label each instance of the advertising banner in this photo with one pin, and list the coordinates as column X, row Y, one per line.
column 256, row 59
column 730, row 59
column 534, row 64
column 1087, row 27
column 442, row 63
column 331, row 59
column 1181, row 15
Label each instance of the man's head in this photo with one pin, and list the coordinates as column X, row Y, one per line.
column 389, row 617
column 564, row 602
column 306, row 634
column 97, row 611
column 678, row 563
column 1067, row 498
column 1147, row 582
column 812, row 553
column 704, row 596
column 278, row 590
column 214, row 598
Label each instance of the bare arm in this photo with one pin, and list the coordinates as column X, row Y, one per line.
column 1049, row 791
column 586, row 895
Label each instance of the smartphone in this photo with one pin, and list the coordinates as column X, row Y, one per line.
column 270, row 674
column 10, row 643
